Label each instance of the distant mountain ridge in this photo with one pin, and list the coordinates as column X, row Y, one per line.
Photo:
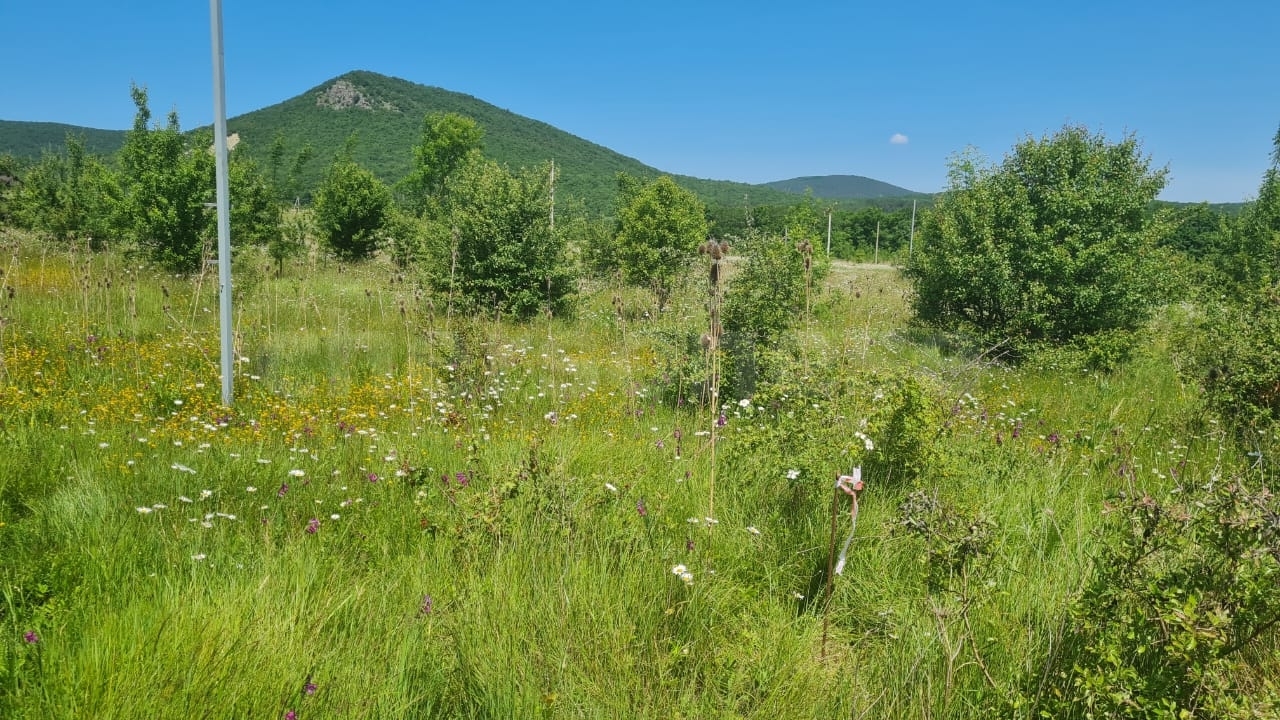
column 30, row 139
column 843, row 187
column 385, row 116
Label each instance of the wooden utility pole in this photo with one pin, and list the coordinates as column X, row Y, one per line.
column 877, row 261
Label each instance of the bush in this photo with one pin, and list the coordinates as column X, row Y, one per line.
column 1234, row 356
column 1052, row 244
column 659, row 227
column 351, row 207
column 1182, row 589
column 502, row 251
column 766, row 297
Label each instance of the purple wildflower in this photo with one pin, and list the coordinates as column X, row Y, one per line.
column 722, row 421
column 291, row 715
column 373, row 477
column 309, row 688
column 641, row 509
column 284, row 488
column 427, row 605
column 313, row 526
column 31, row 637
column 462, row 479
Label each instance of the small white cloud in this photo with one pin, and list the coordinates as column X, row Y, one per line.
column 898, row 139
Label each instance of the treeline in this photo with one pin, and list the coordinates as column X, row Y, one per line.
column 880, row 230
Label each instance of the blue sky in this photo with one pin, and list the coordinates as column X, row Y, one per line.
column 747, row 91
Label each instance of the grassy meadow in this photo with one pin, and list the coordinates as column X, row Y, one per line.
column 412, row 512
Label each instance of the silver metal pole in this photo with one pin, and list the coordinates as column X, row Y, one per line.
column 224, row 205
column 911, row 243
column 828, row 231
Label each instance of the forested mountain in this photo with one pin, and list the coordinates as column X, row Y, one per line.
column 842, row 187
column 384, row 115
column 30, row 139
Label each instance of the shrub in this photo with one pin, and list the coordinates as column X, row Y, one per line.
column 351, row 207
column 659, row 227
column 502, row 251
column 1052, row 244
column 1234, row 356
column 1182, row 588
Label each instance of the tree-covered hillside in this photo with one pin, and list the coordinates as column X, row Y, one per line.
column 30, row 139
column 842, row 187
column 386, row 115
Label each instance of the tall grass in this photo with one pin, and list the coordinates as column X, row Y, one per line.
column 396, row 520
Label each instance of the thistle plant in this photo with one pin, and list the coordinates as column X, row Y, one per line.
column 805, row 248
column 716, row 251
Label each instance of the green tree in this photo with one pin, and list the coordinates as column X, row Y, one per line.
column 1050, row 245
column 1199, row 231
column 1252, row 256
column 10, row 182
column 255, row 212
column 502, row 250
column 67, row 195
column 290, row 241
column 351, row 206
column 165, row 180
column 660, row 225
column 449, row 143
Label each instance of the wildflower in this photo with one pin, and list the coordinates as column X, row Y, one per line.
column 792, row 474
column 199, row 557
column 31, row 637
column 312, row 526
column 866, row 441
column 686, row 578
column 753, row 530
column 688, row 544
column 722, row 421
column 373, row 477
column 251, row 489
column 263, row 461
column 309, row 688
column 185, row 499
column 182, row 468
column 641, row 510
column 296, row 473
column 462, row 478
column 611, row 487
column 678, row 569
column 427, row 605
column 744, row 403
column 144, row 510
column 291, row 715
column 206, row 494
column 284, row 488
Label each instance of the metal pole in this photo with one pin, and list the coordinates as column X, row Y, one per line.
column 828, row 231
column 911, row 243
column 224, row 205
